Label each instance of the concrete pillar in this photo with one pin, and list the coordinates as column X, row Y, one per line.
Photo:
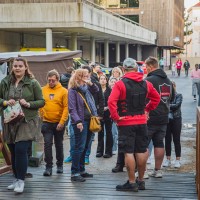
column 126, row 50
column 106, row 53
column 92, row 50
column 139, row 52
column 118, row 52
column 49, row 39
column 73, row 42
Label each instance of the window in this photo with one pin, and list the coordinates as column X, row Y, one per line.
column 129, row 3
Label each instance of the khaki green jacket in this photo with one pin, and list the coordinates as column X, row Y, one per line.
column 31, row 92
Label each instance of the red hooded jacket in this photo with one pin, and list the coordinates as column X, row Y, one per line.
column 119, row 93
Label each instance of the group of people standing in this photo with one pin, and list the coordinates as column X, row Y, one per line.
column 132, row 109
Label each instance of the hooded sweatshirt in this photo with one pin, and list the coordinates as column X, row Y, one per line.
column 56, row 104
column 164, row 87
column 119, row 93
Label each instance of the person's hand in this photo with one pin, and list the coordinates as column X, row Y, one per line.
column 147, row 115
column 120, row 118
column 24, row 103
column 80, row 126
column 105, row 108
column 10, row 102
column 100, row 118
column 89, row 82
column 59, row 127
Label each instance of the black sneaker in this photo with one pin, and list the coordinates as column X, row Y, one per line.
column 127, row 187
column 107, row 156
column 98, row 155
column 117, row 169
column 78, row 178
column 47, row 172
column 141, row 184
column 87, row 175
column 59, row 170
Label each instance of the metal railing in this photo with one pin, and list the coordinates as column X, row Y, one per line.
column 112, row 13
column 198, row 153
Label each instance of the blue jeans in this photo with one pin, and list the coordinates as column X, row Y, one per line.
column 19, row 157
column 82, row 140
column 115, row 136
column 88, row 151
column 72, row 137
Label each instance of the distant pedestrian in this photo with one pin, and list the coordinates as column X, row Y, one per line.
column 54, row 115
column 195, row 75
column 174, row 130
column 112, row 82
column 186, row 66
column 117, row 73
column 173, row 70
column 105, row 122
column 127, row 104
column 162, row 63
column 178, row 66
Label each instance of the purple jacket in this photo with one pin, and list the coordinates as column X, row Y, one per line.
column 76, row 104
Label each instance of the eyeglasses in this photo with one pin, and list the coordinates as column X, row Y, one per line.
column 52, row 80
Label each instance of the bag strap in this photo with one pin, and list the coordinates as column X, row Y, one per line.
column 85, row 103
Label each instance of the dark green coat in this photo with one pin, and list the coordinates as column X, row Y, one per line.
column 32, row 93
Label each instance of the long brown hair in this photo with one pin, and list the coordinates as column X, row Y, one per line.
column 27, row 72
column 76, row 78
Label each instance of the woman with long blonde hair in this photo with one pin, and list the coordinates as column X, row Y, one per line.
column 81, row 88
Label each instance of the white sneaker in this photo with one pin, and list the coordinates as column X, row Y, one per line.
column 177, row 164
column 12, row 186
column 167, row 163
column 19, row 188
column 146, row 175
column 156, row 174
column 149, row 161
column 114, row 152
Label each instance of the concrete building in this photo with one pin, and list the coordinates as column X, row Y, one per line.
column 166, row 18
column 101, row 35
column 193, row 48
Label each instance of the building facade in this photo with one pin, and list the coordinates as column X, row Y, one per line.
column 166, row 18
column 76, row 24
column 193, row 48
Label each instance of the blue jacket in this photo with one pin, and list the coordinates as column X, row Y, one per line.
column 76, row 104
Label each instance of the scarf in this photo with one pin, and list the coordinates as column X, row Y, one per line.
column 89, row 99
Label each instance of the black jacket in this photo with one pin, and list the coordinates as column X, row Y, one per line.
column 106, row 96
column 64, row 80
column 164, row 87
column 175, row 106
column 98, row 97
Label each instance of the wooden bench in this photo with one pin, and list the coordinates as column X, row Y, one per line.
column 6, row 155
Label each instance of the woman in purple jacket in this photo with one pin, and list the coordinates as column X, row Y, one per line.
column 80, row 86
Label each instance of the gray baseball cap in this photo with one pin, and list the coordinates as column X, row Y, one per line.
column 130, row 63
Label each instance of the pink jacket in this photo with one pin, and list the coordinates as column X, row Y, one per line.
column 195, row 74
column 178, row 64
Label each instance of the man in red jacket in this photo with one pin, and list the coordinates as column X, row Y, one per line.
column 127, row 104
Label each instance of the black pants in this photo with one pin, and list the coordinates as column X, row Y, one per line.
column 49, row 133
column 178, row 72
column 109, row 138
column 19, row 157
column 186, row 72
column 173, row 130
